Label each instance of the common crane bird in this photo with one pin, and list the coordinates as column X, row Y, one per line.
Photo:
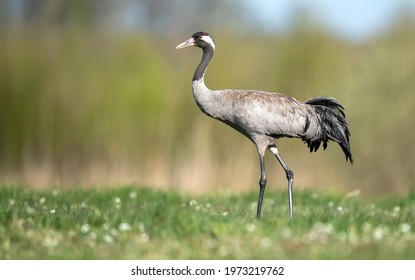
column 264, row 116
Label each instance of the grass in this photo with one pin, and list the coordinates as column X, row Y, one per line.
column 143, row 223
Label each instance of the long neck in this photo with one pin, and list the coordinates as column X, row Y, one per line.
column 201, row 68
column 201, row 93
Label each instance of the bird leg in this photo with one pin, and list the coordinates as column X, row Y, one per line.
column 262, row 184
column 290, row 178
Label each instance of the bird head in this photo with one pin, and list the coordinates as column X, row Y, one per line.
column 199, row 39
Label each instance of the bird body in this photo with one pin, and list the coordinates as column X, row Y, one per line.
column 264, row 116
column 264, row 113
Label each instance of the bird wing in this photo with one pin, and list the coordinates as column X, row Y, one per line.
column 255, row 112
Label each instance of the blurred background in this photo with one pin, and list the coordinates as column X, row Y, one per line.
column 93, row 93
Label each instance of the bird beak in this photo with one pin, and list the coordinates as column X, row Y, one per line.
column 190, row 42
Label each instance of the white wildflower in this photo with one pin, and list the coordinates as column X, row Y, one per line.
column 286, row 232
column 50, row 241
column 114, row 232
column 93, row 235
column 30, row 210
column 377, row 234
column 266, row 242
column 250, row 227
column 85, row 228
column 117, row 201
column 396, row 211
column 42, row 200
column 12, row 202
column 108, row 239
column 124, row 227
column 143, row 238
column 405, row 228
column 132, row 195
column 380, row 232
column 323, row 229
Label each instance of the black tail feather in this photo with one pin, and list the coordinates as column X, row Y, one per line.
column 333, row 125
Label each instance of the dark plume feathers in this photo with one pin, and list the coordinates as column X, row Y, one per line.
column 333, row 125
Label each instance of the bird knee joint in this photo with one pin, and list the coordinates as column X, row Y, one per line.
column 290, row 175
column 262, row 182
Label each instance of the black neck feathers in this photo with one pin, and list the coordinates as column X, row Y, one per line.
column 201, row 68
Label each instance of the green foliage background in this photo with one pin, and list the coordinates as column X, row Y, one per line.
column 91, row 106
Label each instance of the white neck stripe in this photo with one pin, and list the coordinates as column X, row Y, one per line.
column 208, row 40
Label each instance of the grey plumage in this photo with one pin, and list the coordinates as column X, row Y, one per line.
column 264, row 116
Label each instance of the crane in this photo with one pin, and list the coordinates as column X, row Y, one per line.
column 264, row 116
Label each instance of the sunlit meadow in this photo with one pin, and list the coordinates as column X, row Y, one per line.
column 141, row 223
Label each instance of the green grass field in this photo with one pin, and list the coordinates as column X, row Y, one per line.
column 142, row 223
